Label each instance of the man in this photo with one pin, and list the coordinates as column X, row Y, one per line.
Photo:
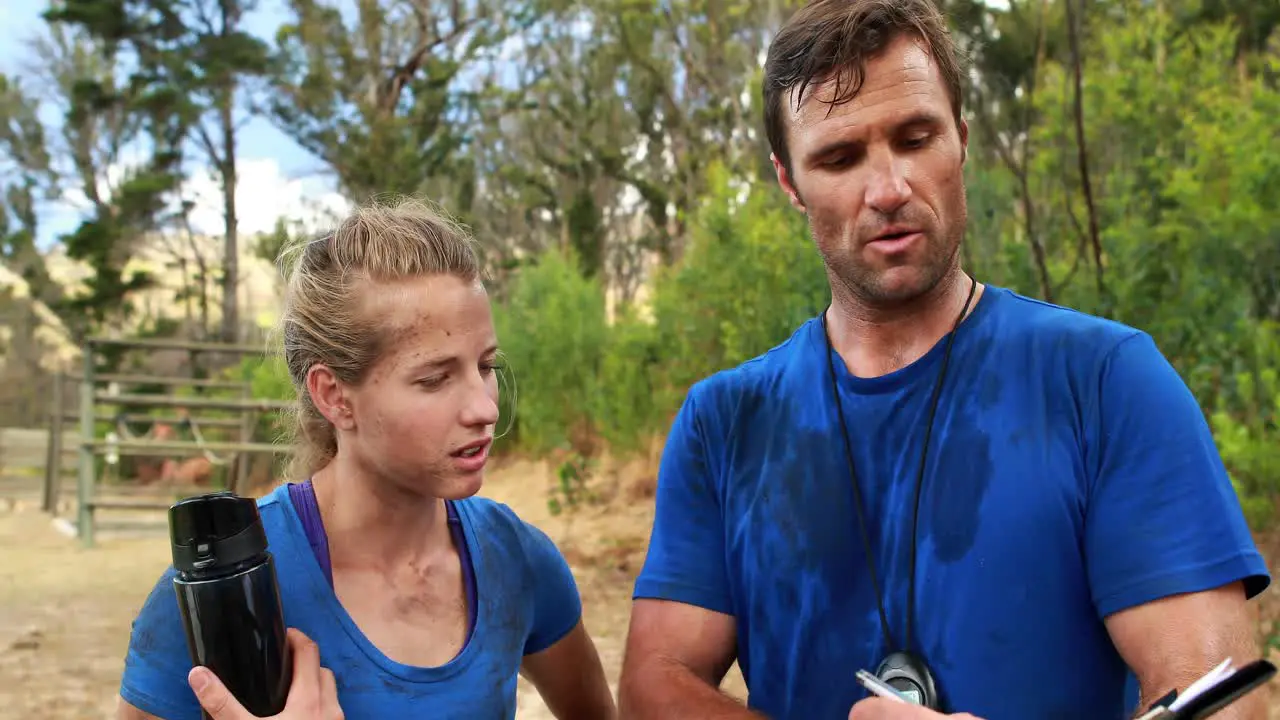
column 1060, row 524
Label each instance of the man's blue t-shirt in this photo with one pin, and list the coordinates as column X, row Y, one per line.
column 1071, row 474
column 527, row 599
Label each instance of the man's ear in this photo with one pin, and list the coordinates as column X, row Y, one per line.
column 330, row 397
column 964, row 140
column 784, row 180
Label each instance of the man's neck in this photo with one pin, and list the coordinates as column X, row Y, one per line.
column 877, row 340
column 372, row 524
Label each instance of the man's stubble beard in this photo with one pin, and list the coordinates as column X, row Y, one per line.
column 866, row 286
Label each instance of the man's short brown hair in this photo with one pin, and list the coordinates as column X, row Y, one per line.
column 836, row 38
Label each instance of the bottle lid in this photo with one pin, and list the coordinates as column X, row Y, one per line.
column 215, row 533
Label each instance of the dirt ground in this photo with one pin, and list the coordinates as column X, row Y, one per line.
column 65, row 612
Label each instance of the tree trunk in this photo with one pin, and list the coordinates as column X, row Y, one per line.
column 1073, row 36
column 231, row 249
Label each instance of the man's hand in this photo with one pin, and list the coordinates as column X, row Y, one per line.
column 313, row 694
column 877, row 708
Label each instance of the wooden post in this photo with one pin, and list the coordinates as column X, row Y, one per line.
column 84, row 486
column 53, row 454
column 241, row 476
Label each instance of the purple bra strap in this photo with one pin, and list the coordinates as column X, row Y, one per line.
column 303, row 497
column 304, row 502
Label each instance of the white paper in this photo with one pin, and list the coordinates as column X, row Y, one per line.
column 1197, row 688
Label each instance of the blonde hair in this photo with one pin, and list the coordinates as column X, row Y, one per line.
column 321, row 321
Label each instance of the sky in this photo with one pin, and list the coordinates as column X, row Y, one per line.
column 276, row 177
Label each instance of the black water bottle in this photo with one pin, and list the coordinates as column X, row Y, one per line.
column 230, row 599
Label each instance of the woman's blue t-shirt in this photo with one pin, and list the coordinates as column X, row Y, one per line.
column 527, row 600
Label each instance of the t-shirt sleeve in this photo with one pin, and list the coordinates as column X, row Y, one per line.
column 157, row 661
column 686, row 557
column 557, row 606
column 1162, row 515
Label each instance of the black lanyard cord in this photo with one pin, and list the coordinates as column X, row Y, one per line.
column 857, row 494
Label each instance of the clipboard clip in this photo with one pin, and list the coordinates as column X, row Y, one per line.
column 1217, row 689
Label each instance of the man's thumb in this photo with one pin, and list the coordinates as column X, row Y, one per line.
column 214, row 697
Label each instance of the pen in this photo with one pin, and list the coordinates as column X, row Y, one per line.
column 1160, row 708
column 878, row 687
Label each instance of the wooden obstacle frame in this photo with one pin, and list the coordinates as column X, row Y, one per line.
column 93, row 400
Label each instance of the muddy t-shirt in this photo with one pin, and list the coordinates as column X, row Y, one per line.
column 1070, row 475
column 526, row 600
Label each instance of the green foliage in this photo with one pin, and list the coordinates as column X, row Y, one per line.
column 372, row 94
column 1189, row 163
column 748, row 278
column 1186, row 165
column 627, row 409
column 552, row 331
column 750, row 275
column 268, row 379
column 26, row 182
column 571, row 490
column 1249, row 435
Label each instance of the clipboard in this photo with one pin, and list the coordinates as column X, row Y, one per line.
column 1219, row 688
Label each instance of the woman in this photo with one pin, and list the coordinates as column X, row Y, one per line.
column 424, row 600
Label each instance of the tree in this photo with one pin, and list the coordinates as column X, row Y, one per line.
column 190, row 60
column 380, row 98
column 113, row 153
column 610, row 113
column 26, row 178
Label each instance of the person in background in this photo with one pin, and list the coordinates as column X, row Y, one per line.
column 1018, row 503
column 421, row 598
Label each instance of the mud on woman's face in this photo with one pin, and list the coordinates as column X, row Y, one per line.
column 426, row 412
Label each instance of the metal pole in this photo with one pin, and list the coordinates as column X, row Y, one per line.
column 53, row 454
column 84, row 486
